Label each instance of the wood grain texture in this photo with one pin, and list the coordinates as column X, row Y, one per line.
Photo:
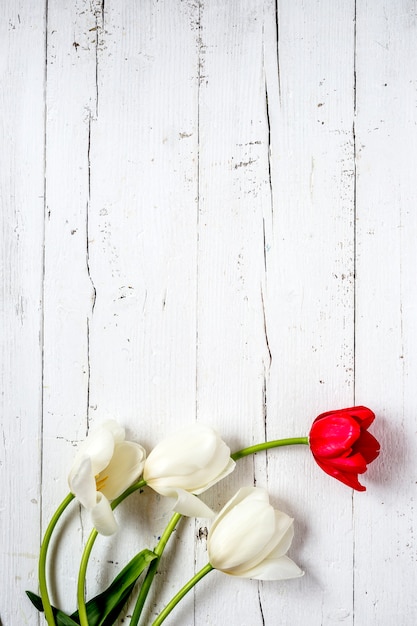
column 22, row 45
column 208, row 213
column 386, row 300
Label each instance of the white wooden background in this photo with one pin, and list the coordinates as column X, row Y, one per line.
column 209, row 212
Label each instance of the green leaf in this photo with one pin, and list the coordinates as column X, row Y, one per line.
column 103, row 609
column 61, row 618
column 35, row 599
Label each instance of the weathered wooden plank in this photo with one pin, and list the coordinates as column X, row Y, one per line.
column 69, row 292
column 386, row 307
column 309, row 292
column 22, row 53
column 233, row 186
column 143, row 246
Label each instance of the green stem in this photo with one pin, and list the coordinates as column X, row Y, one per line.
column 292, row 441
column 153, row 567
column 181, row 593
column 43, row 587
column 82, row 611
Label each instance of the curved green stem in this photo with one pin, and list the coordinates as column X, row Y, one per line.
column 181, row 593
column 43, row 587
column 82, row 611
column 153, row 567
column 277, row 443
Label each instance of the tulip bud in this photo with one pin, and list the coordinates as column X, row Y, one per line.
column 341, row 444
column 188, row 463
column 250, row 539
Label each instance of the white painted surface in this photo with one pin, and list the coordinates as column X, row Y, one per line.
column 209, row 212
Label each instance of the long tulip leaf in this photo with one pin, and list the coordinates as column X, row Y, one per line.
column 104, row 609
column 61, row 618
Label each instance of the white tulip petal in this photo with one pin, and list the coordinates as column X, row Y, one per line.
column 242, row 534
column 115, row 429
column 82, row 483
column 282, row 523
column 99, row 446
column 125, row 467
column 271, row 569
column 188, row 504
column 279, row 543
column 102, row 516
column 284, row 543
column 188, row 448
column 193, row 459
column 218, row 476
column 250, row 493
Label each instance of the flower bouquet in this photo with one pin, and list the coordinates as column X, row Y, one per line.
column 248, row 538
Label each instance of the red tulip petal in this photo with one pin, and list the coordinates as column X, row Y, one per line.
column 364, row 415
column 361, row 414
column 333, row 436
column 351, row 480
column 354, row 464
column 337, row 412
column 367, row 446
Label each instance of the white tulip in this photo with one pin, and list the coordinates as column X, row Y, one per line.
column 104, row 466
column 188, row 463
column 250, row 539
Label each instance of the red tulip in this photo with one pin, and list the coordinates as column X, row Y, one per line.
column 341, row 444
